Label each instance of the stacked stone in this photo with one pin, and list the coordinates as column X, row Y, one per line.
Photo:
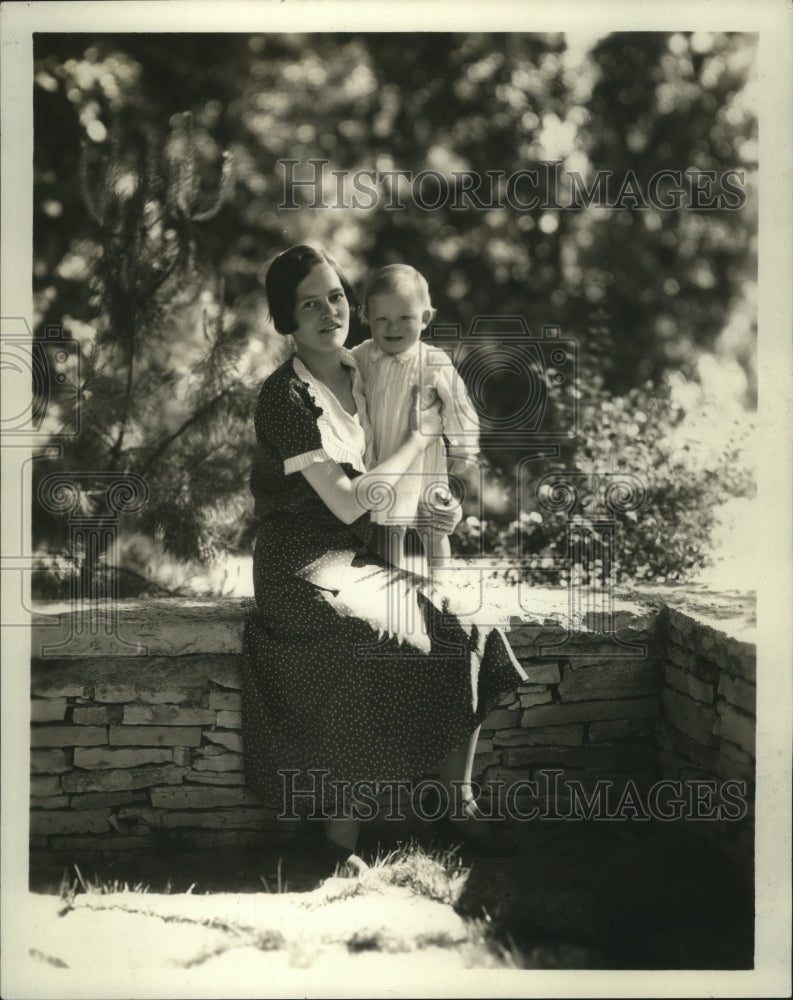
column 588, row 711
column 149, row 760
column 706, row 732
column 145, row 753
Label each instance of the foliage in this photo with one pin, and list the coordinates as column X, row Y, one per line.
column 669, row 279
column 158, row 181
column 161, row 393
column 648, row 435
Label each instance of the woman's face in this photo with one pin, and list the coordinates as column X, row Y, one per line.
column 322, row 312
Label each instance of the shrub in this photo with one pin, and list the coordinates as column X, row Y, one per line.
column 687, row 455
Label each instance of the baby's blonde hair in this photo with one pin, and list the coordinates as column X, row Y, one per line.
column 394, row 277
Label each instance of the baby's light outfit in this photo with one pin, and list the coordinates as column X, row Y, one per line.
column 388, row 380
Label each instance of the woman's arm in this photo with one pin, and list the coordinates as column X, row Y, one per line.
column 349, row 498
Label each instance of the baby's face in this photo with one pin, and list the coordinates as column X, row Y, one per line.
column 396, row 319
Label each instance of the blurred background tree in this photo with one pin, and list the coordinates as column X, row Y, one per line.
column 157, row 190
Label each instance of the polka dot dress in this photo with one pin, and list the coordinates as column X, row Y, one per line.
column 351, row 668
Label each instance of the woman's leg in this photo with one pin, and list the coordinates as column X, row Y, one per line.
column 464, row 814
column 456, row 775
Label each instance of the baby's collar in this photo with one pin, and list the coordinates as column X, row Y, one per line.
column 403, row 356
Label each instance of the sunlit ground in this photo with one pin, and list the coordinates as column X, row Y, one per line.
column 734, row 549
column 734, row 560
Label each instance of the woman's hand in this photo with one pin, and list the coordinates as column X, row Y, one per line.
column 350, row 499
column 425, row 416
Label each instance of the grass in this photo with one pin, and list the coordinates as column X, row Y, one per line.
column 437, row 874
column 382, row 920
column 71, row 886
column 574, row 898
column 281, row 884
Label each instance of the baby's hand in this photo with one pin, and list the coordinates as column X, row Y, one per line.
column 426, row 417
column 428, row 395
column 444, row 513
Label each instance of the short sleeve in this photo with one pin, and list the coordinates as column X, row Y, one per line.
column 286, row 421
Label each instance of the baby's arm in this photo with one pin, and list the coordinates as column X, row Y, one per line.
column 460, row 419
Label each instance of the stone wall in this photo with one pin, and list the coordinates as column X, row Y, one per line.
column 589, row 711
column 706, row 728
column 135, row 753
column 141, row 753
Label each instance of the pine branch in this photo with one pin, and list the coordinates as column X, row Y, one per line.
column 186, row 425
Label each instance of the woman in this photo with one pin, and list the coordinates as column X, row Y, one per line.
column 349, row 673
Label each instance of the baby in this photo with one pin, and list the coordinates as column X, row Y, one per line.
column 397, row 308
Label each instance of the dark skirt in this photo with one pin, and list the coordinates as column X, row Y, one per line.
column 356, row 672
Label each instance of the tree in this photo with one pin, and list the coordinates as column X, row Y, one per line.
column 669, row 279
column 155, row 262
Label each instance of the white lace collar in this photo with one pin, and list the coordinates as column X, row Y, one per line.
column 318, row 388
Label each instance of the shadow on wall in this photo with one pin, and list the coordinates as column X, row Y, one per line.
column 136, row 722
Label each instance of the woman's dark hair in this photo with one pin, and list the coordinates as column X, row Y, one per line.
column 285, row 274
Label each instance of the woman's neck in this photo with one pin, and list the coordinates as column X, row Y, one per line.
column 325, row 367
column 328, row 369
